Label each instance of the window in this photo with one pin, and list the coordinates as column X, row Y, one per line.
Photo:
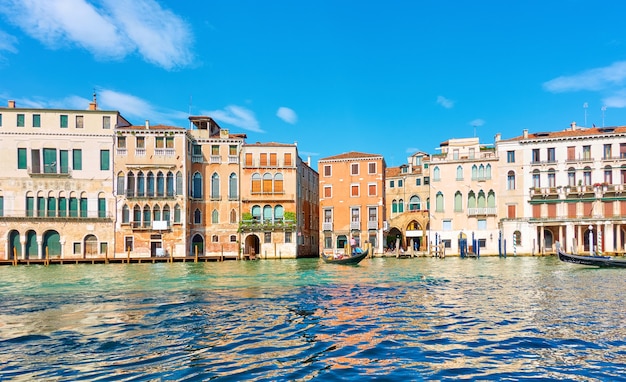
column 587, row 176
column 177, row 214
column 121, row 142
column 104, row 160
column 446, row 225
column 159, row 142
column 232, row 150
column 551, row 178
column 510, row 181
column 571, row 177
column 355, row 214
column 586, row 152
column 20, row 120
column 458, row 202
column 1, row 205
column 73, row 207
column 106, row 122
column 400, row 183
column 267, row 237
column 141, row 142
column 436, row 174
column 233, row 238
column 197, row 216
column 63, row 121
column 328, row 241
column 102, row 207
column 414, row 203
column 354, row 169
column 77, row 248
column 482, row 224
column 0, row 120
column 49, row 161
column 536, row 179
column 510, row 157
column 426, row 180
column 77, row 159
column 125, row 214
column 215, row 217
column 129, row 243
column 21, row 159
column 455, row 154
column 439, row 202
column 418, row 181
column 551, row 155
column 608, row 175
column 536, row 158
column 169, row 142
column 371, row 189
column 104, row 248
column 79, row 121
column 327, row 170
column 372, row 214
column 83, row 207
column 287, row 237
column 197, row 186
column 394, row 206
column 392, row 183
column 30, row 206
column 215, row 186
column 354, row 190
column 287, row 159
column 371, row 168
column 273, row 159
column 36, row 120
column 328, row 191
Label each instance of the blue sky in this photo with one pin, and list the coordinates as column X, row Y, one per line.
column 388, row 78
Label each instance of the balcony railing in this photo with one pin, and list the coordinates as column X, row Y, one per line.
column 372, row 224
column 164, row 152
column 355, row 225
column 197, row 159
column 327, row 226
column 266, row 225
column 50, row 170
column 482, row 211
column 216, row 159
column 233, row 159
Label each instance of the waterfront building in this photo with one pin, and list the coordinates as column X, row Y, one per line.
column 279, row 202
column 150, row 168
column 56, row 184
column 463, row 184
column 352, row 200
column 408, row 203
column 214, row 200
column 565, row 186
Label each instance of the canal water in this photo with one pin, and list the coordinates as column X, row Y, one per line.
column 387, row 319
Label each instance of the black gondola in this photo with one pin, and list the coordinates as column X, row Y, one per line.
column 348, row 260
column 597, row 261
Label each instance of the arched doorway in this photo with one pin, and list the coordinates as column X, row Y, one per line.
column 90, row 246
column 15, row 247
column 342, row 241
column 52, row 241
column 252, row 246
column 197, row 245
column 31, row 245
column 394, row 238
column 414, row 236
column 548, row 239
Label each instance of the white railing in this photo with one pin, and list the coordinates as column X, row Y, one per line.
column 482, row 211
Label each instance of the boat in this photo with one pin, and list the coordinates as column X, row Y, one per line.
column 597, row 261
column 354, row 259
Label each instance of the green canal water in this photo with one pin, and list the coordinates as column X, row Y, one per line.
column 386, row 319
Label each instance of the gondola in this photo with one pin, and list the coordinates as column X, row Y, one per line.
column 347, row 260
column 597, row 261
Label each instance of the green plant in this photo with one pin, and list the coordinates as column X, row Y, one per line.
column 291, row 216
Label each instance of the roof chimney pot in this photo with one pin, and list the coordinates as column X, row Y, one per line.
column 11, row 104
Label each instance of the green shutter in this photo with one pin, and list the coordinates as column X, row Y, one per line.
column 77, row 159
column 73, row 207
column 36, row 120
column 63, row 121
column 0, row 119
column 52, row 207
column 102, row 207
column 20, row 120
column 62, row 207
column 104, row 160
column 30, row 206
column 1, row 205
column 83, row 207
column 49, row 161
column 21, row 158
column 41, row 206
column 63, row 157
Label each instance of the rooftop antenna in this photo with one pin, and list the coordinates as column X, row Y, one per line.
column 190, row 100
column 603, row 110
column 585, row 106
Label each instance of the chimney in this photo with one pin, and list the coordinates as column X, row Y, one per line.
column 573, row 126
column 498, row 137
column 308, row 161
column 93, row 105
column 11, row 104
column 147, row 124
column 525, row 133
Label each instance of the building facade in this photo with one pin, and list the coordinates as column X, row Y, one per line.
column 352, row 201
column 56, row 193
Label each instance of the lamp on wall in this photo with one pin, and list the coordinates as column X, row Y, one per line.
column 491, row 236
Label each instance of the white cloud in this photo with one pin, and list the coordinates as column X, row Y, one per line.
column 287, row 115
column 131, row 106
column 412, row 150
column 617, row 100
column 592, row 79
column 7, row 42
column 443, row 101
column 237, row 116
column 108, row 29
column 477, row 122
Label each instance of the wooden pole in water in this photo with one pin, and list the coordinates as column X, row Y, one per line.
column 171, row 254
column 106, row 255
column 47, row 262
column 196, row 254
column 128, row 255
column 14, row 256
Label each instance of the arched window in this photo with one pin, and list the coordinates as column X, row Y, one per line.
column 120, row 183
column 474, row 173
column 458, row 203
column 551, row 178
column 146, row 216
column 150, row 185
column 197, row 216
column 232, row 186
column 510, row 180
column 436, row 174
column 215, row 186
column 471, row 200
column 278, row 213
column 481, row 172
column 536, row 179
column 439, row 202
column 267, row 213
column 415, row 203
column 125, row 214
column 233, row 216
column 83, row 205
column 141, row 184
column 267, row 183
column 160, row 184
column 177, row 214
column 137, row 216
column 401, row 205
column 197, row 186
column 130, row 185
column 169, row 182
column 256, row 213
column 608, row 175
column 587, row 176
column 394, row 206
column 278, row 183
column 102, row 205
column 52, row 204
column 488, row 172
column 179, row 183
column 491, row 199
column 482, row 203
column 571, row 177
column 156, row 213
column 459, row 173
column 166, row 213
column 215, row 217
column 256, row 183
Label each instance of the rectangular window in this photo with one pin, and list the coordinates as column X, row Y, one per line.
column 354, row 190
column 64, row 163
column 248, row 159
column 354, row 169
column 77, row 248
column 30, row 206
column 83, row 207
column 371, row 168
column 447, row 225
column 159, row 142
column 20, row 120
column 215, row 150
column 36, row 120
column 392, row 183
column 169, row 142
column 62, row 207
column 287, row 237
column 571, row 152
column 482, row 243
column 129, row 244
column 263, row 159
column 400, row 183
column 536, row 158
column 141, row 142
column 586, row 152
column 1, row 205
column 287, row 159
column 482, row 224
column 418, row 182
column 102, row 207
column 273, row 159
column 510, row 157
column 551, row 154
column 232, row 150
column 327, row 170
column 447, row 243
column 455, row 154
column 35, row 162
column 41, row 206
column 21, row 159
column 73, row 207
column 77, row 159
column 106, row 122
column 121, row 142
column 104, row 248
column 328, row 191
column 49, row 161
column 63, row 121
column 607, row 151
column 79, row 121
column 372, row 214
column 267, row 237
column 371, row 189
column 426, row 180
column 0, row 120
column 104, row 160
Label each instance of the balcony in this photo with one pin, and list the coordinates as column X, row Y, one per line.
column 140, row 152
column 355, row 226
column 327, row 226
column 372, row 224
column 482, row 211
column 255, row 225
column 50, row 170
column 233, row 159
column 197, row 159
column 165, row 153
column 121, row 151
column 215, row 159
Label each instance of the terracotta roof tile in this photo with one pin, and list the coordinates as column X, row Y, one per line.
column 351, row 155
column 579, row 132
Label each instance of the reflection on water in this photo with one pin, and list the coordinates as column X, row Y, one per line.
column 487, row 319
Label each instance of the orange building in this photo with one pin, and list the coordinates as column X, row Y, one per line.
column 352, row 200
column 279, row 202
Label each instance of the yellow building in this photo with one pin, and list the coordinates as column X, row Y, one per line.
column 56, row 183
